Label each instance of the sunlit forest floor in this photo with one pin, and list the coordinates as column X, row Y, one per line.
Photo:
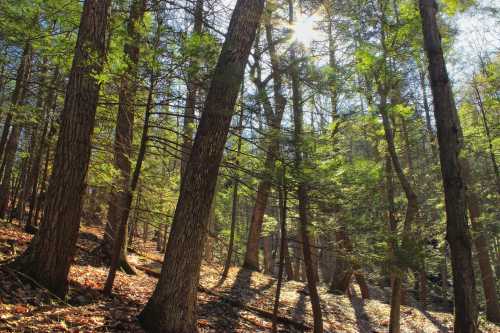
column 243, row 303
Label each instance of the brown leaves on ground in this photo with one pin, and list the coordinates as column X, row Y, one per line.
column 27, row 308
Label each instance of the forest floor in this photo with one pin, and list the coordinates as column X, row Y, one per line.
column 242, row 303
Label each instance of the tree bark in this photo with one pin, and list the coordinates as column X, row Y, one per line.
column 273, row 118
column 51, row 251
column 172, row 307
column 302, row 187
column 124, row 133
column 450, row 143
column 23, row 73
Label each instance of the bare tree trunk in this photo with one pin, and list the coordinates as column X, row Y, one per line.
column 450, row 143
column 51, row 251
column 172, row 307
column 121, row 233
column 273, row 118
column 283, row 244
column 23, row 73
column 124, row 133
column 302, row 187
column 234, row 207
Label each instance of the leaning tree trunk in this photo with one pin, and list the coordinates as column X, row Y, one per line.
column 124, row 133
column 450, row 143
column 51, row 251
column 172, row 307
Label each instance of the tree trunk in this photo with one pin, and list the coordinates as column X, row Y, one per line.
column 172, row 307
column 450, row 143
column 481, row 243
column 234, row 207
column 273, row 118
column 121, row 233
column 23, row 73
column 51, row 251
column 124, row 133
column 283, row 210
column 302, row 187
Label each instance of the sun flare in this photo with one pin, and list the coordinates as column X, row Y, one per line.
column 304, row 29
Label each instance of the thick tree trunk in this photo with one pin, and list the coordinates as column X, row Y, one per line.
column 172, row 307
column 51, row 251
column 124, row 133
column 450, row 143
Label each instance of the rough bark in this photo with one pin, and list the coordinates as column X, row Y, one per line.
column 51, row 251
column 172, row 307
column 450, row 143
column 121, row 233
column 124, row 132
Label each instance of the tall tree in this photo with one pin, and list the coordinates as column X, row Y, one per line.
column 51, row 251
column 172, row 307
column 450, row 144
column 124, row 130
column 274, row 117
column 302, row 186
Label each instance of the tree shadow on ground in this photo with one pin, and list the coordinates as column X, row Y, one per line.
column 228, row 316
column 362, row 317
column 435, row 321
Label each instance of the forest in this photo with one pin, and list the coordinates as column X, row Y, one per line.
column 249, row 166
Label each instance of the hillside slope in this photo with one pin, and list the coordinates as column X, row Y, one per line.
column 241, row 304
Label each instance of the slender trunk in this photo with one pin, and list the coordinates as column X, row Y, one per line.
column 494, row 163
column 273, row 118
column 450, row 143
column 23, row 72
column 121, row 234
column 283, row 244
column 51, row 251
column 302, row 187
column 124, row 133
column 482, row 246
column 172, row 307
column 234, row 207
